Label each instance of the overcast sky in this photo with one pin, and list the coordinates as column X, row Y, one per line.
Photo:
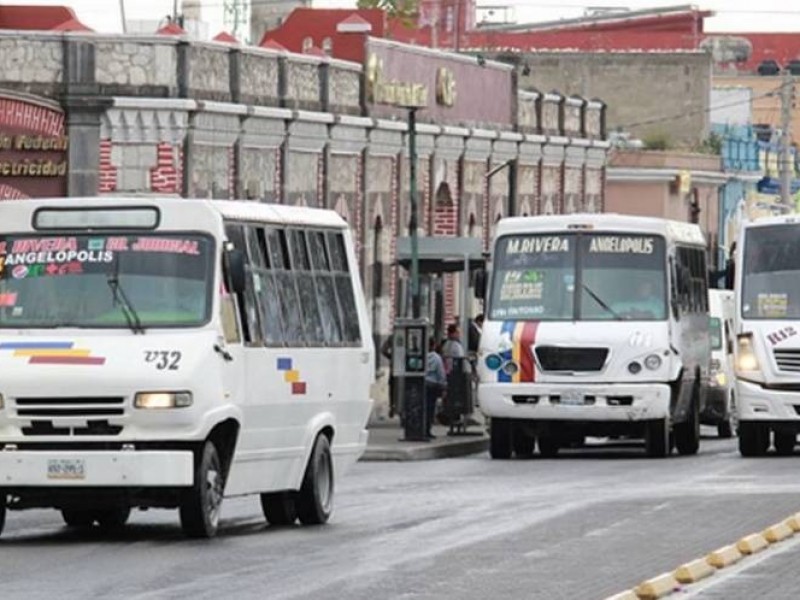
column 732, row 15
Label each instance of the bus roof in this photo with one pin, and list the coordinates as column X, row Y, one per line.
column 678, row 231
column 228, row 209
column 765, row 221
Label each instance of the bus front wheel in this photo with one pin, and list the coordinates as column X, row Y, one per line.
column 500, row 438
column 200, row 505
column 753, row 439
column 656, row 440
column 687, row 434
column 315, row 499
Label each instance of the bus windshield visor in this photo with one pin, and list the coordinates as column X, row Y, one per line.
column 771, row 275
column 105, row 281
column 619, row 277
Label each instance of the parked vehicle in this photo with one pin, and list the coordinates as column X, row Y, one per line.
column 767, row 349
column 168, row 352
column 596, row 325
column 720, row 409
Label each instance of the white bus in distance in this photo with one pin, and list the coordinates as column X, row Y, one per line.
column 767, row 324
column 596, row 325
column 167, row 353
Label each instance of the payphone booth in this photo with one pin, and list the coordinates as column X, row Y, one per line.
column 409, row 354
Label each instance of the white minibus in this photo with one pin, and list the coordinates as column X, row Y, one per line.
column 165, row 352
column 595, row 325
column 767, row 349
column 720, row 410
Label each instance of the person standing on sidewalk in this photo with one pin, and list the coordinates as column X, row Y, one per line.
column 435, row 383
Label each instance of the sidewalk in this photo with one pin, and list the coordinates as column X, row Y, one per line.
column 385, row 443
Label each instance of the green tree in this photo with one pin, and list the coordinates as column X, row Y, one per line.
column 404, row 10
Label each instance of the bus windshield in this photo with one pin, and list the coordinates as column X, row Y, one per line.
column 105, row 280
column 620, row 276
column 771, row 275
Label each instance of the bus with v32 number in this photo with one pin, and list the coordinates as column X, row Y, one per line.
column 595, row 325
column 168, row 353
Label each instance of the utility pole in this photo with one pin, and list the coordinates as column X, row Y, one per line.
column 787, row 167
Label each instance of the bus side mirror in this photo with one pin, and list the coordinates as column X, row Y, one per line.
column 235, row 270
column 480, row 284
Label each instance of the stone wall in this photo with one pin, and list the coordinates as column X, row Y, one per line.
column 650, row 94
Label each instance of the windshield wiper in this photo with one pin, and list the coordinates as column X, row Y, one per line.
column 602, row 304
column 121, row 299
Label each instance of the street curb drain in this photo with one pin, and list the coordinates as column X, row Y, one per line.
column 667, row 584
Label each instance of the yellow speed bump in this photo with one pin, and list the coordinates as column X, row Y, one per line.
column 724, row 557
column 752, row 543
column 657, row 587
column 778, row 532
column 626, row 595
column 693, row 571
column 794, row 522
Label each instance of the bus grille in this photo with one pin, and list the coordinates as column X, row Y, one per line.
column 556, row 358
column 96, row 406
column 788, row 360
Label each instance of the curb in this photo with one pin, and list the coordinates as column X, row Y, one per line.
column 691, row 572
column 426, row 451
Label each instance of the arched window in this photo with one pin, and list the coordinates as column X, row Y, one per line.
column 308, row 43
column 327, row 46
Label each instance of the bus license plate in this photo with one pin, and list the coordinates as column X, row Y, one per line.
column 572, row 398
column 66, row 468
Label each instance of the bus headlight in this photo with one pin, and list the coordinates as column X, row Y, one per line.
column 746, row 359
column 162, row 399
column 652, row 362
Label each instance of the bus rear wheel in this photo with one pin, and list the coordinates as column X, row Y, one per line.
column 500, row 438
column 549, row 445
column 523, row 443
column 78, row 518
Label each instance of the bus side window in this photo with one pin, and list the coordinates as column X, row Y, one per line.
column 248, row 311
column 267, row 290
column 344, row 287
column 290, row 302
column 306, row 288
column 326, row 288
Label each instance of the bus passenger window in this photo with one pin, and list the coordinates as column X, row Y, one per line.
column 326, row 289
column 344, row 288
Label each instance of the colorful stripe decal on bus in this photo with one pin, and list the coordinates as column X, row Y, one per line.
column 518, row 364
column 53, row 353
column 506, row 330
column 291, row 375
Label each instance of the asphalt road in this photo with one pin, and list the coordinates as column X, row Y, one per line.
column 585, row 525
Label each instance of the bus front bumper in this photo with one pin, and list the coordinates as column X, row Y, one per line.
column 581, row 402
column 34, row 468
column 755, row 403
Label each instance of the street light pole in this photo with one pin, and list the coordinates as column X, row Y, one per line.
column 412, row 223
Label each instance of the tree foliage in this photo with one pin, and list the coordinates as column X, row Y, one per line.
column 404, row 10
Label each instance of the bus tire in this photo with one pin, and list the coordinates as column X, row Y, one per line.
column 500, row 443
column 522, row 443
column 753, row 439
column 725, row 429
column 113, row 519
column 78, row 518
column 549, row 445
column 656, row 438
column 315, row 499
column 279, row 508
column 201, row 503
column 687, row 434
column 3, row 500
column 784, row 442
